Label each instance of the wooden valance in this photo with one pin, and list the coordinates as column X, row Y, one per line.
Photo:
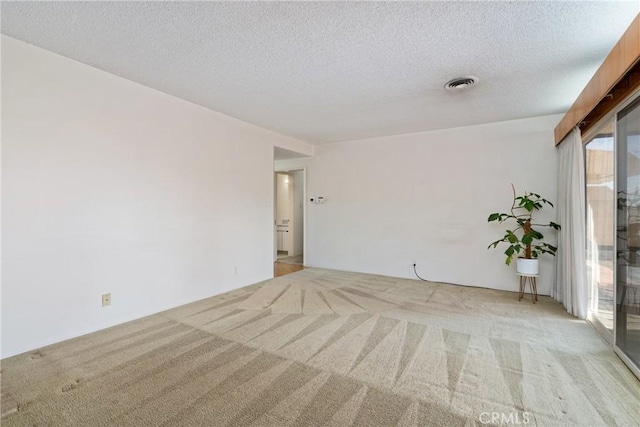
column 617, row 77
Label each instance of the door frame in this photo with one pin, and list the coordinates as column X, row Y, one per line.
column 304, row 211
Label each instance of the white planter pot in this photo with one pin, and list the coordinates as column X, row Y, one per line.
column 527, row 266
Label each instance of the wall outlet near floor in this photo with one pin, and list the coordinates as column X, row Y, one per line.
column 235, row 270
column 106, row 299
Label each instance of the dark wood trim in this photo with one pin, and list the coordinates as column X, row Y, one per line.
column 625, row 87
column 615, row 76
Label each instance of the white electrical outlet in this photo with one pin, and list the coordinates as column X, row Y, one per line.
column 235, row 270
column 106, row 299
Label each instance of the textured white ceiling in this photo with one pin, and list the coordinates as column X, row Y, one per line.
column 334, row 71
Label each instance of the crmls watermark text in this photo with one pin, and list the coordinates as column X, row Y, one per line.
column 502, row 418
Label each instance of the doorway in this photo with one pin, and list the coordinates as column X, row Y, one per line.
column 289, row 221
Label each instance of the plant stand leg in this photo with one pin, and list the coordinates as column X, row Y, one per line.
column 532, row 284
column 535, row 289
column 522, row 286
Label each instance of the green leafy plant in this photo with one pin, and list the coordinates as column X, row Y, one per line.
column 524, row 239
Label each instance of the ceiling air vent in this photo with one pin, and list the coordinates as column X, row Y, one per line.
column 460, row 83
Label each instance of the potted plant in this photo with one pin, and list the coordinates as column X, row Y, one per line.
column 525, row 242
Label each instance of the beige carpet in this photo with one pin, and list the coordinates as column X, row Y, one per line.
column 322, row 347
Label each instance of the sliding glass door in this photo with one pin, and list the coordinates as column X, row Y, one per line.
column 612, row 167
column 627, row 315
column 600, row 194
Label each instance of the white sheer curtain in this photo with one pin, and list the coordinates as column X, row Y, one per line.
column 571, row 285
column 593, row 263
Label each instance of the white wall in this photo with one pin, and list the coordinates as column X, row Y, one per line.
column 292, row 164
column 425, row 197
column 109, row 186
